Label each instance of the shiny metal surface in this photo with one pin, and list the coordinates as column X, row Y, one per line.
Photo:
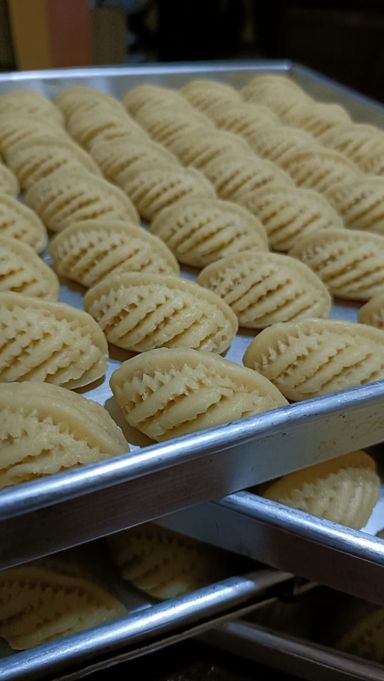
column 300, row 658
column 142, row 631
column 154, row 480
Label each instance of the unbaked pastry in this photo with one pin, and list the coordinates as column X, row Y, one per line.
column 166, row 393
column 20, row 222
column 313, row 357
column 22, row 271
column 372, row 312
column 116, row 157
column 205, row 94
column 266, row 288
column 360, row 202
column 140, row 312
column 45, row 429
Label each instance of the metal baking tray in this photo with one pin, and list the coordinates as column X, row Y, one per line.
column 153, row 480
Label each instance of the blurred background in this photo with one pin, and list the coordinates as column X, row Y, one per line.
column 341, row 38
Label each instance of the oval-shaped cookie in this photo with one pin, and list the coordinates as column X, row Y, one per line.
column 204, row 94
column 166, row 393
column 236, row 175
column 313, row 357
column 317, row 117
column 279, row 93
column 45, row 429
column 8, row 181
column 372, row 312
column 343, row 490
column 142, row 312
column 199, row 231
column 318, row 168
column 363, row 144
column 29, row 102
column 165, row 123
column 20, row 127
column 73, row 99
column 36, row 158
column 360, row 202
column 89, row 128
column 349, row 262
column 115, row 158
column 68, row 197
column 266, row 288
column 153, row 188
column 287, row 215
column 243, row 119
column 53, row 342
column 152, row 96
column 198, row 150
column 274, row 141
column 22, row 271
column 88, row 251
column 166, row 564
column 17, row 221
column 39, row 604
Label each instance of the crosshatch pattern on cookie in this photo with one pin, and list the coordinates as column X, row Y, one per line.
column 45, row 429
column 88, row 251
column 141, row 312
column 67, row 197
column 266, row 288
column 165, row 564
column 53, row 342
column 200, row 231
column 166, row 393
column 22, row 271
column 314, row 357
column 349, row 262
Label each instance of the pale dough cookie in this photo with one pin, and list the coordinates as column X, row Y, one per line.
column 88, row 251
column 83, row 98
column 68, row 197
column 30, row 102
column 289, row 214
column 199, row 231
column 22, row 271
column 165, row 124
column 318, row 168
column 153, row 97
column 20, row 128
column 372, row 313
column 279, row 93
column 39, row 604
column 266, row 288
column 165, row 564
column 140, row 312
column 116, row 157
column 349, row 262
column 313, row 357
column 89, row 128
column 363, row 144
column 200, row 149
column 45, row 429
column 20, row 222
column 53, row 342
column 243, row 119
column 166, row 393
column 317, row 117
column 8, row 181
column 235, row 175
column 152, row 188
column 205, row 94
column 343, row 490
column 35, row 159
column 274, row 141
column 360, row 202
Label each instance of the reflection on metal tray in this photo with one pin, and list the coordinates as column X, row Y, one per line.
column 77, row 506
column 142, row 631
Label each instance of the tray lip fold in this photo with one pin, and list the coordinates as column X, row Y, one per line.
column 44, row 492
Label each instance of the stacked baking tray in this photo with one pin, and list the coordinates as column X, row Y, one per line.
column 177, row 481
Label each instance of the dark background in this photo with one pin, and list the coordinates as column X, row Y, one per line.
column 341, row 39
